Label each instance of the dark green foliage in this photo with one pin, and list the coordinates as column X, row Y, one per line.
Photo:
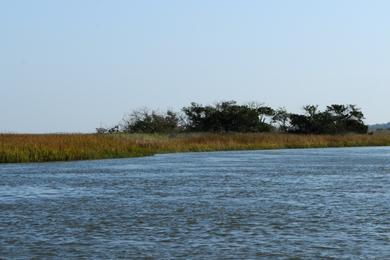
column 227, row 116
column 336, row 119
column 143, row 121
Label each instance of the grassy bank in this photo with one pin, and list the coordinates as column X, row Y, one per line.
column 67, row 147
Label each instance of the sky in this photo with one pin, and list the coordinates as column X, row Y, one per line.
column 72, row 66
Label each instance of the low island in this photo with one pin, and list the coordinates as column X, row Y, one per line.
column 220, row 127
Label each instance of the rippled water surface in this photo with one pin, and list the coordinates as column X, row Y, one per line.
column 251, row 204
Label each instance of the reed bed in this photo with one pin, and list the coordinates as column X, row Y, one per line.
column 17, row 148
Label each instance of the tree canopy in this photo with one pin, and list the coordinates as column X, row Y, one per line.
column 229, row 116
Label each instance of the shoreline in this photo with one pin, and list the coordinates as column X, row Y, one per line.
column 35, row 148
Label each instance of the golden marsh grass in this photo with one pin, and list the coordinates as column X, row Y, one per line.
column 15, row 148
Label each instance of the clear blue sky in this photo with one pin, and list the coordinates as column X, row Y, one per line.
column 74, row 65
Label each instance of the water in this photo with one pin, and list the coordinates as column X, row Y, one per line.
column 283, row 203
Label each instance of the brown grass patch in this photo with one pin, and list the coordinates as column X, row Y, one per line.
column 65, row 147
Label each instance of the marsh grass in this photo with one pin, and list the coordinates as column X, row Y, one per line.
column 15, row 148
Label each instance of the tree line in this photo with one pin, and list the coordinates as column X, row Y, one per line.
column 229, row 116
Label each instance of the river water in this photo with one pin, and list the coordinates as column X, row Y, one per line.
column 304, row 203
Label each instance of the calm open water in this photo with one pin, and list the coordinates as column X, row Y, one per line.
column 282, row 203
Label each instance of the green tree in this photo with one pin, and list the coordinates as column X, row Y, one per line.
column 143, row 121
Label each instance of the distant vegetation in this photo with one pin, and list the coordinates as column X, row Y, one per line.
column 380, row 127
column 228, row 116
column 224, row 126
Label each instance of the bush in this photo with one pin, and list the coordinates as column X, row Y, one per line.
column 143, row 121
